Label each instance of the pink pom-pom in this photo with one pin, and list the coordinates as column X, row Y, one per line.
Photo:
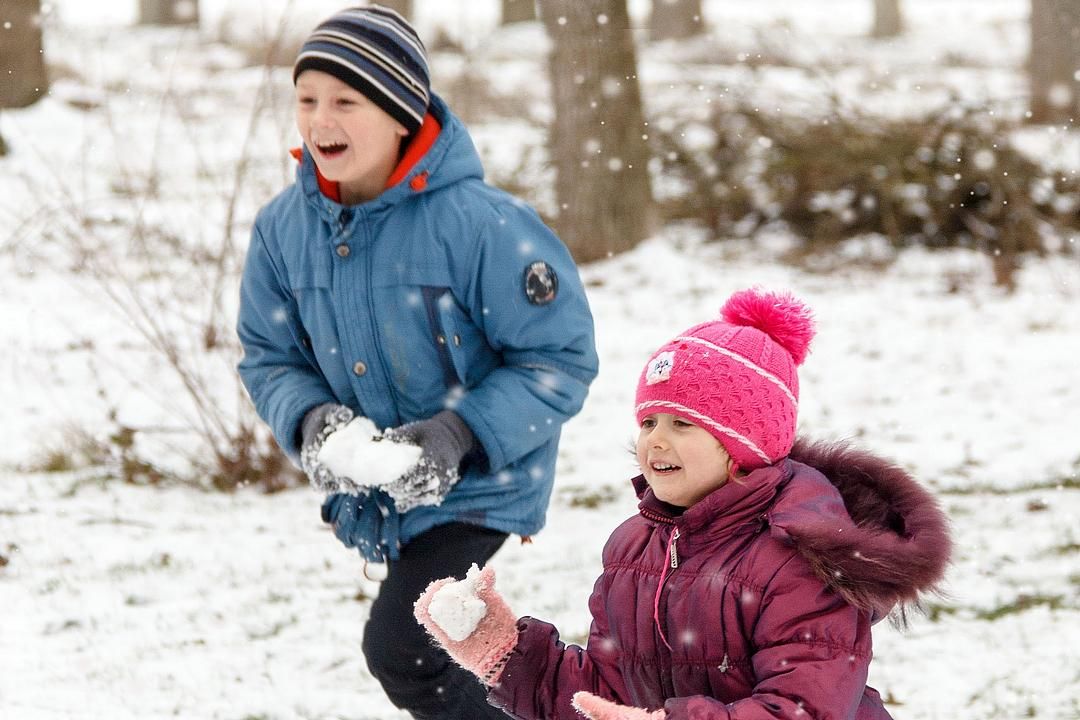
column 780, row 315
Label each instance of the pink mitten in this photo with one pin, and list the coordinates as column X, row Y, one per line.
column 597, row 708
column 471, row 621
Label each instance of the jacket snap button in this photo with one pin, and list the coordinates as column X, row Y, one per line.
column 343, row 250
column 441, row 339
column 457, row 341
column 419, row 182
column 359, row 368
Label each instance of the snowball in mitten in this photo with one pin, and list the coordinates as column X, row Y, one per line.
column 594, row 707
column 471, row 621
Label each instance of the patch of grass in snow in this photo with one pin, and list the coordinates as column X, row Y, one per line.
column 272, row 631
column 1067, row 482
column 54, row 460
column 1021, row 604
column 1068, row 548
column 580, row 496
column 158, row 561
column 936, row 611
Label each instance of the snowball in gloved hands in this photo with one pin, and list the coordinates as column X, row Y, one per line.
column 359, row 456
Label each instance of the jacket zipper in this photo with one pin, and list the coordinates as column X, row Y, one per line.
column 673, row 563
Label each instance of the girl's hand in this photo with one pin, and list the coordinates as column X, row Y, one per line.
column 471, row 621
column 597, row 708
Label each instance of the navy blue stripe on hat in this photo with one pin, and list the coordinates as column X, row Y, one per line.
column 376, row 52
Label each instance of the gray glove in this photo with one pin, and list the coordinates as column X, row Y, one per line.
column 319, row 422
column 444, row 440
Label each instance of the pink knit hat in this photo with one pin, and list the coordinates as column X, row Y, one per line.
column 735, row 376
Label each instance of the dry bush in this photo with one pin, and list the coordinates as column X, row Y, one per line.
column 946, row 181
column 173, row 283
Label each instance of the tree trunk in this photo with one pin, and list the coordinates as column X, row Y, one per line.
column 518, row 11
column 597, row 141
column 888, row 21
column 22, row 56
column 675, row 19
column 168, row 12
column 404, row 8
column 1054, row 64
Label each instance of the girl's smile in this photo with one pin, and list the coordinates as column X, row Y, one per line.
column 681, row 461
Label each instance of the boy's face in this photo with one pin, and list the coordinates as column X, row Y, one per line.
column 681, row 461
column 353, row 140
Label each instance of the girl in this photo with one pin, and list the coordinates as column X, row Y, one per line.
column 747, row 584
column 391, row 282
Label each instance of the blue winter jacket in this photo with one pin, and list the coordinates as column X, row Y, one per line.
column 414, row 302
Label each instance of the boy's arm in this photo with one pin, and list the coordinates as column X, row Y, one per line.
column 524, row 292
column 280, row 377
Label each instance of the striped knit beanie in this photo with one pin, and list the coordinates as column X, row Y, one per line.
column 375, row 51
column 735, row 376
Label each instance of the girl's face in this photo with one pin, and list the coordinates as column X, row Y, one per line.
column 681, row 461
column 353, row 140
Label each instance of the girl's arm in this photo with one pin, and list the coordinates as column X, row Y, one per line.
column 543, row 674
column 530, row 672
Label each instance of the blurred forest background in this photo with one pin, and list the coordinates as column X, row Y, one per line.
column 941, row 168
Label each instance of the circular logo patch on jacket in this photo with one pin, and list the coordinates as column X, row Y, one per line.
column 541, row 283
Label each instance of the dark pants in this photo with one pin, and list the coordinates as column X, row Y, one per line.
column 417, row 675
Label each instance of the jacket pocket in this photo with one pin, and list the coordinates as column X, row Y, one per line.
column 413, row 330
column 466, row 347
column 436, row 300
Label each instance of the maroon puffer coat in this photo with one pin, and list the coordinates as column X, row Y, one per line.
column 768, row 587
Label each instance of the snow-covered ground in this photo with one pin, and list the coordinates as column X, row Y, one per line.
column 128, row 602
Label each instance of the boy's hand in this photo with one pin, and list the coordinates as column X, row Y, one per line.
column 471, row 621
column 597, row 708
column 444, row 440
column 318, row 424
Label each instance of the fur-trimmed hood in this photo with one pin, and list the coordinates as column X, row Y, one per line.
column 896, row 545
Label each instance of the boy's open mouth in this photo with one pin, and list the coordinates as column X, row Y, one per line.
column 331, row 150
column 664, row 468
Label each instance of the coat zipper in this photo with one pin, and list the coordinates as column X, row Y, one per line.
column 665, row 576
column 673, row 562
